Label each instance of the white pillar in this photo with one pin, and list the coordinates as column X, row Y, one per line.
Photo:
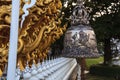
column 13, row 40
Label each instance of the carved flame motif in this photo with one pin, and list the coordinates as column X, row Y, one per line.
column 40, row 28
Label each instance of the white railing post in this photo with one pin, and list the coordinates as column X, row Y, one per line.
column 13, row 40
column 56, row 69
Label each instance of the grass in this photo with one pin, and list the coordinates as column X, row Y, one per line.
column 90, row 62
column 93, row 77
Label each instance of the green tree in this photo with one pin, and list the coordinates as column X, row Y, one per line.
column 106, row 24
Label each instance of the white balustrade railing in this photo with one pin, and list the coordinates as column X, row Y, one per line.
column 55, row 69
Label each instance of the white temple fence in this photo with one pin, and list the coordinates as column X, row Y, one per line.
column 54, row 69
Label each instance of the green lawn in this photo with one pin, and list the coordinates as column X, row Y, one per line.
column 93, row 77
column 90, row 62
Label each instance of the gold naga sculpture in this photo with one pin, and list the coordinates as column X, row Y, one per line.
column 41, row 28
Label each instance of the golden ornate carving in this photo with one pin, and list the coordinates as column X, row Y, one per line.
column 40, row 28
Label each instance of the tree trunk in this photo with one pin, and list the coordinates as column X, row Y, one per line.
column 107, row 52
